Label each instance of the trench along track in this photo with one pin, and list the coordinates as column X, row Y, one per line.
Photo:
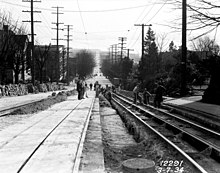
column 176, row 131
column 52, row 122
column 5, row 112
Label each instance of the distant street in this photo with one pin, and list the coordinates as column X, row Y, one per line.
column 98, row 75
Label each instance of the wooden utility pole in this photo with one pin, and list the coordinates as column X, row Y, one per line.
column 184, row 49
column 115, row 52
column 122, row 39
column 142, row 47
column 68, row 52
column 112, row 50
column 57, row 69
column 109, row 54
column 63, row 63
column 128, row 52
column 32, row 38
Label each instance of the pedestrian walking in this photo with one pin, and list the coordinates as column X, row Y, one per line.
column 86, row 89
column 158, row 99
column 97, row 89
column 135, row 92
column 90, row 85
column 146, row 96
column 79, row 88
column 95, row 85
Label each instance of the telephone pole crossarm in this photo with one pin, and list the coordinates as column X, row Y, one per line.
column 57, row 54
column 68, row 39
column 128, row 52
column 142, row 47
column 122, row 39
column 32, row 37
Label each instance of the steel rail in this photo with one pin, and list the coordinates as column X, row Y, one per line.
column 45, row 138
column 82, row 139
column 180, row 119
column 170, row 107
column 186, row 156
column 204, row 144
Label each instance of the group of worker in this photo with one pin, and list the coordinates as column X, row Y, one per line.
column 82, row 88
column 145, row 98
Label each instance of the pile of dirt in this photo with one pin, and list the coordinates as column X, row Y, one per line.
column 43, row 104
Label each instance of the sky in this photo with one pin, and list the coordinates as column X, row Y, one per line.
column 98, row 24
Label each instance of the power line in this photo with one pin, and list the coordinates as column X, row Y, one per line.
column 122, row 39
column 141, row 21
column 149, row 11
column 136, row 40
column 48, row 25
column 158, row 11
column 128, row 52
column 32, row 37
column 152, row 16
column 82, row 21
column 142, row 49
column 85, row 11
column 68, row 39
column 57, row 39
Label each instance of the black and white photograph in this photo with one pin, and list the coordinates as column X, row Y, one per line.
column 109, row 86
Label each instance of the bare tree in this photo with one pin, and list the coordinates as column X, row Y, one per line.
column 161, row 41
column 204, row 15
column 12, row 48
column 201, row 15
column 205, row 44
column 41, row 58
column 16, row 60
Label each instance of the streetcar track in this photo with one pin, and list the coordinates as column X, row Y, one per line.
column 166, row 140
column 45, row 138
column 24, row 130
column 177, row 131
column 163, row 114
column 52, row 128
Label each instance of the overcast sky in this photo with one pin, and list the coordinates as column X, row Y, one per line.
column 97, row 24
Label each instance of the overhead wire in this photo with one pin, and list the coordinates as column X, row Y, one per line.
column 157, row 11
column 47, row 23
column 83, row 23
column 83, row 11
column 150, row 18
column 105, row 10
column 141, row 21
column 45, row 26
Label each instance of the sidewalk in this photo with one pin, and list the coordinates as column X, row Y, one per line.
column 194, row 104
column 49, row 141
column 9, row 102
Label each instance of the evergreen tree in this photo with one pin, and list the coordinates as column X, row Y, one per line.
column 150, row 62
column 126, row 67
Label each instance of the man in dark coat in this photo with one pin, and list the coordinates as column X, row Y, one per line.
column 79, row 88
column 158, row 99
